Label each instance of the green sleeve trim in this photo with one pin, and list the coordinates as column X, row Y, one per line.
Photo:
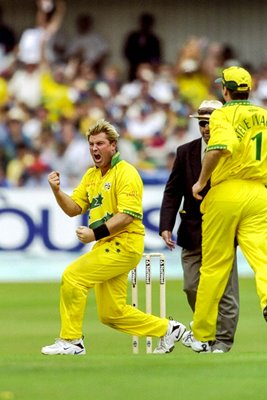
column 217, row 147
column 101, row 221
column 133, row 214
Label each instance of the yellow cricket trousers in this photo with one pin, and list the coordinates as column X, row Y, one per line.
column 236, row 208
column 105, row 268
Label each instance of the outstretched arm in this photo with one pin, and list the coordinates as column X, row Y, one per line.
column 53, row 23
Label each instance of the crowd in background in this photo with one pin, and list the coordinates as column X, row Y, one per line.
column 52, row 88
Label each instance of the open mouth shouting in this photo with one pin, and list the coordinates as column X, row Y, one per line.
column 97, row 158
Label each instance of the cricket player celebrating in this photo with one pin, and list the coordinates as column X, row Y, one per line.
column 112, row 192
column 236, row 204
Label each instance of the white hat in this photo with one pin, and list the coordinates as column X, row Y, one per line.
column 16, row 114
column 206, row 108
column 30, row 46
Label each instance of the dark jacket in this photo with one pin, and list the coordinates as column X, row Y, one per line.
column 184, row 175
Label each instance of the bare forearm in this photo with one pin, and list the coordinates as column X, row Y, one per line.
column 66, row 203
column 115, row 224
column 210, row 162
column 57, row 18
column 118, row 222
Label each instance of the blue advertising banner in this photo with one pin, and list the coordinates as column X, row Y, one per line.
column 37, row 240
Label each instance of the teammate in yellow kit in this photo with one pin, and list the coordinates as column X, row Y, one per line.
column 112, row 192
column 236, row 205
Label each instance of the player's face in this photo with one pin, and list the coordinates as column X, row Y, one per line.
column 204, row 129
column 102, row 151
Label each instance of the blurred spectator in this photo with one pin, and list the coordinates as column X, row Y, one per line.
column 25, row 84
column 7, row 36
column 259, row 94
column 192, row 81
column 7, row 57
column 228, row 56
column 87, row 45
column 142, row 46
column 178, row 136
column 12, row 132
column 145, row 121
column 49, row 17
column 35, row 173
column 46, row 107
column 4, row 182
column 72, row 155
column 57, row 95
column 17, row 165
column 4, row 95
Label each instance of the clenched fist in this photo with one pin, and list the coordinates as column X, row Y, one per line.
column 85, row 235
column 54, row 180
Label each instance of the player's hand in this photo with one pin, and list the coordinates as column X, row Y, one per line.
column 54, row 180
column 85, row 235
column 167, row 237
column 196, row 189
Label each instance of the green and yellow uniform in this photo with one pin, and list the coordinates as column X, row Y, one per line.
column 119, row 190
column 106, row 266
column 235, row 207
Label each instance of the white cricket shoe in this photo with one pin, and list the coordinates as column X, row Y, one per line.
column 174, row 333
column 188, row 338
column 218, row 351
column 62, row 346
column 200, row 347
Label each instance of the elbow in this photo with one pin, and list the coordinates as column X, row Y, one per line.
column 73, row 212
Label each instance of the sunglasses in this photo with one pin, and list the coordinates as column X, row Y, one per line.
column 203, row 123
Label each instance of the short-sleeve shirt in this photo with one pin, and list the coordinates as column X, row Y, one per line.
column 239, row 128
column 120, row 190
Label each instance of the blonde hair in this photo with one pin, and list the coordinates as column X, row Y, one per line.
column 104, row 126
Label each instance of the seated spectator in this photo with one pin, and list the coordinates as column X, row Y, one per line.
column 17, row 166
column 12, row 132
column 4, row 182
column 72, row 153
column 35, row 173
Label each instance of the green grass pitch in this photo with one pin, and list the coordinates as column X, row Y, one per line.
column 29, row 319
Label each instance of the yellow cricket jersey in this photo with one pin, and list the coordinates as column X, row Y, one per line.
column 120, row 190
column 56, row 98
column 239, row 128
column 4, row 95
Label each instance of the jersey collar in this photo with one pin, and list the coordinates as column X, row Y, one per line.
column 115, row 159
column 234, row 102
